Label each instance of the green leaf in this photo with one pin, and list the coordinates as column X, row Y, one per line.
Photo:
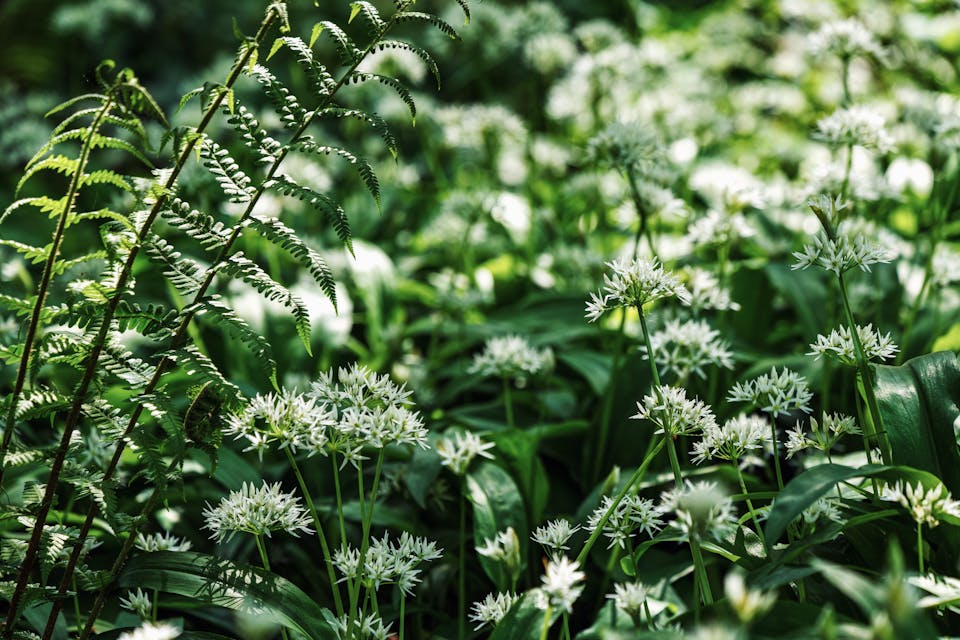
column 920, row 403
column 222, row 583
column 593, row 366
column 496, row 505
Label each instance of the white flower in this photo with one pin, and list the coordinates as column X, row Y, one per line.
column 550, row 52
column 387, row 562
column 504, row 548
column 855, row 125
column 138, row 602
column 554, row 535
column 946, row 266
column 161, row 542
column 717, row 228
column 673, row 413
column 457, row 454
column 706, row 292
column 842, row 253
column 257, row 511
column 845, row 39
column 746, row 603
column 630, row 597
column 367, row 627
column 560, row 590
column 628, row 146
column 634, row 283
column 631, row 514
column 823, row 509
column 151, row 631
column 774, row 392
column 687, row 347
column 491, row 609
column 839, row 345
column 926, row 506
column 289, row 420
column 731, row 441
column 701, row 509
column 821, row 437
column 512, row 357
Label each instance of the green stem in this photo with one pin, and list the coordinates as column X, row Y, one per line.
column 655, row 375
column 646, row 610
column 156, row 605
column 846, row 171
column 700, row 570
column 508, row 402
column 601, row 442
column 545, row 627
column 566, row 626
column 403, row 606
column 920, row 547
column 753, row 512
column 776, row 454
column 462, row 568
column 338, row 603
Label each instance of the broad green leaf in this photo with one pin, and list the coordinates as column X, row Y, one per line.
column 496, row 505
column 223, row 583
column 920, row 403
column 519, row 449
column 593, row 366
column 805, row 292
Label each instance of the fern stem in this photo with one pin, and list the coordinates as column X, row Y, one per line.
column 33, row 327
column 89, row 374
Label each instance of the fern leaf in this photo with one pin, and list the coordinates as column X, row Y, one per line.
column 193, row 362
column 420, row 52
column 287, row 239
column 58, row 163
column 363, row 76
column 369, row 177
column 232, row 180
column 349, row 52
column 370, row 15
column 237, row 327
column 376, row 122
column 183, row 272
column 419, row 16
column 72, row 101
column 202, row 227
column 109, row 421
column 45, row 204
column 102, row 214
column 253, row 135
column 31, row 253
column 41, row 402
column 118, row 361
column 152, row 320
column 292, row 115
column 320, row 79
column 326, row 205
column 62, row 266
column 465, row 7
column 242, row 268
column 106, row 176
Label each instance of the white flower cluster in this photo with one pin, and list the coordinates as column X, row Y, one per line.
column 560, row 588
column 706, row 292
column 774, row 392
column 631, row 598
column 367, row 627
column 387, row 562
column 257, row 511
column 845, row 39
column 673, row 413
column 491, row 609
column 513, row 358
column 627, row 146
column 161, row 542
column 822, row 436
column 855, row 125
column 926, row 506
column 554, row 536
column 826, row 508
column 701, row 509
column 687, row 347
column 631, row 514
column 733, row 440
column 505, row 549
column 839, row 345
column 634, row 283
column 138, row 602
column 362, row 410
column 717, row 228
column 457, row 454
column 945, row 269
column 746, row 603
column 841, row 254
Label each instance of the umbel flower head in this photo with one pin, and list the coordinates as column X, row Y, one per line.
column 151, row 631
column 701, row 509
column 387, row 562
column 287, row 419
column 457, row 454
column 513, row 358
column 631, row 514
column 841, row 253
column 822, row 436
column 774, row 393
column 733, row 440
column 491, row 609
column 560, row 588
column 258, row 511
column 845, row 39
column 554, row 535
column 630, row 597
column 634, row 283
column 706, row 292
column 926, row 506
column 687, row 347
column 839, row 345
column 855, row 125
column 628, row 147
column 161, row 542
column 673, row 413
column 505, row 549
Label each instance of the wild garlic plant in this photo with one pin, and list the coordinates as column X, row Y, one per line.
column 82, row 328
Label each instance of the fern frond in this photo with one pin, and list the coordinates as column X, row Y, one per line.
column 195, row 363
column 19, row 306
column 326, row 205
column 97, row 141
column 307, row 144
column 376, row 122
column 45, row 204
column 253, row 135
column 420, row 52
column 62, row 266
column 72, row 101
column 370, row 15
column 109, row 420
column 105, row 176
column 234, row 183
column 292, row 115
column 320, row 79
column 465, row 7
column 287, row 239
column 210, row 233
column 183, row 272
column 242, row 268
column 420, row 16
column 102, row 214
column 364, row 76
column 21, row 458
column 91, row 483
column 40, row 402
column 117, row 360
column 227, row 318
column 29, row 252
column 349, row 52
column 58, row 163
